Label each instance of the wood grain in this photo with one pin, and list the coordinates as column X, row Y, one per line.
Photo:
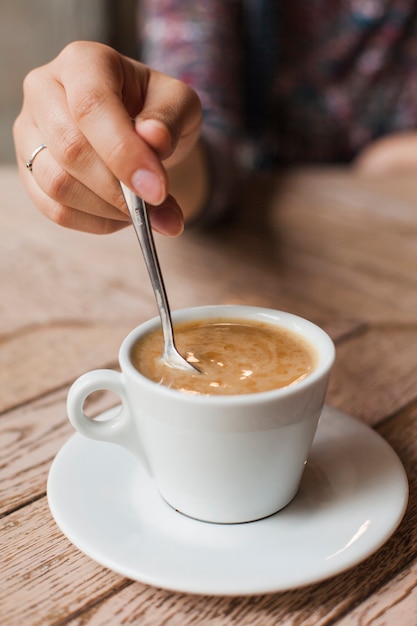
column 30, row 437
column 365, row 361
column 323, row 243
column 47, row 578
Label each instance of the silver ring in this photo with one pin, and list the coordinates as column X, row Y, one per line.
column 33, row 156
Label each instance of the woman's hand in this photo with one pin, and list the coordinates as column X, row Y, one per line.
column 81, row 105
column 392, row 154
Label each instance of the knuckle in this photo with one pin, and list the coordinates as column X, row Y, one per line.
column 182, row 113
column 61, row 215
column 107, row 227
column 71, row 146
column 58, row 184
column 65, row 216
column 73, row 51
column 88, row 95
column 32, row 80
column 86, row 103
column 195, row 103
column 16, row 128
column 187, row 96
column 118, row 150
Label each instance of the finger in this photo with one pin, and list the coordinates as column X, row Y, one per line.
column 68, row 216
column 57, row 184
column 167, row 218
column 78, row 161
column 66, row 190
column 67, row 146
column 51, row 199
column 396, row 153
column 100, row 102
column 117, row 90
column 171, row 117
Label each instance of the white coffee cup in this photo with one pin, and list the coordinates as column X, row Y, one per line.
column 224, row 459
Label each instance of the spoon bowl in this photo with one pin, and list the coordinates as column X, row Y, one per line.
column 139, row 217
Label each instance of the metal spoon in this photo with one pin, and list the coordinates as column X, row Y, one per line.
column 139, row 216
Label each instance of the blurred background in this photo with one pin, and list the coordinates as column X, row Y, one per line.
column 33, row 32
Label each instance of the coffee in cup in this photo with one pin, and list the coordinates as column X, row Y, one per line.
column 233, row 356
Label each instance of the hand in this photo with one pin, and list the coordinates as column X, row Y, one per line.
column 396, row 153
column 81, row 105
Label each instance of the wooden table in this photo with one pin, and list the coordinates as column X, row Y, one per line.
column 325, row 244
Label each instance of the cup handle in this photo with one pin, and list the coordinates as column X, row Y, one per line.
column 119, row 428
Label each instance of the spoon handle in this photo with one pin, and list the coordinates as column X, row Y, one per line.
column 139, row 217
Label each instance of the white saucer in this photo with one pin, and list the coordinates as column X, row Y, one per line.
column 352, row 497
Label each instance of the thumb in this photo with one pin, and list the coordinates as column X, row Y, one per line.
column 170, row 119
column 156, row 134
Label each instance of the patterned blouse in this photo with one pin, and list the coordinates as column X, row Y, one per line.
column 288, row 81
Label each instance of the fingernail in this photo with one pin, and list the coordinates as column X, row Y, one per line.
column 148, row 186
column 151, row 123
column 157, row 135
column 167, row 221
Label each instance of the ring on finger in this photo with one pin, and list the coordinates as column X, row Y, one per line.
column 29, row 163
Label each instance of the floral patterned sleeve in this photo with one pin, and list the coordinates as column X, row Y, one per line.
column 199, row 43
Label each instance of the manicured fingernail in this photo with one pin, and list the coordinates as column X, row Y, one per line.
column 148, row 186
column 167, row 221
